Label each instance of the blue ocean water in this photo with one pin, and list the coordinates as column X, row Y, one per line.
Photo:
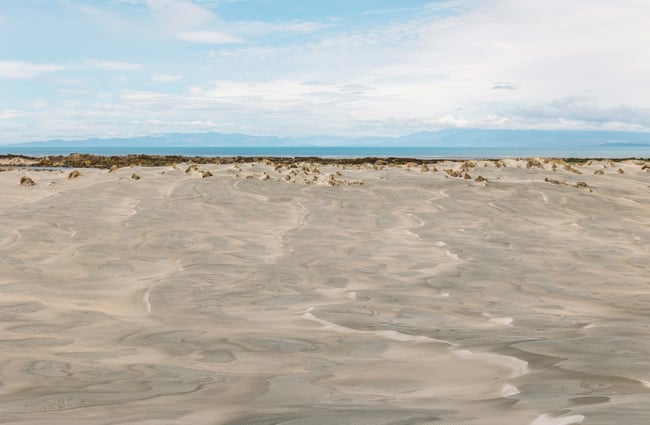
column 596, row 151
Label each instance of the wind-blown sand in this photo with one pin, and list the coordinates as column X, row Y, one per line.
column 324, row 294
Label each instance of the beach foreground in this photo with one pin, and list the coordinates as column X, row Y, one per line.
column 477, row 292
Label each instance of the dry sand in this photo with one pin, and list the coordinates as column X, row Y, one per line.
column 263, row 295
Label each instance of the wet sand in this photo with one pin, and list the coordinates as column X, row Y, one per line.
column 264, row 294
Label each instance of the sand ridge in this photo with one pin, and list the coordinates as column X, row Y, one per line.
column 346, row 293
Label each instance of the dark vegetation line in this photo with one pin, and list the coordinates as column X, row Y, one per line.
column 78, row 160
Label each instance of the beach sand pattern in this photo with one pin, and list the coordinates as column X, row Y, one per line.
column 266, row 294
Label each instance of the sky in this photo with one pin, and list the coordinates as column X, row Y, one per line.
column 120, row 68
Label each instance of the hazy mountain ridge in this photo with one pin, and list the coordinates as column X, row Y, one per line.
column 449, row 137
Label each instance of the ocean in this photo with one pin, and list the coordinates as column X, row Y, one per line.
column 450, row 152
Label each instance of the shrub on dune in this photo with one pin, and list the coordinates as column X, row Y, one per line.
column 27, row 181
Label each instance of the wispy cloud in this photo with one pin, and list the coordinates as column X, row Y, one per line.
column 299, row 26
column 262, row 28
column 111, row 65
column 180, row 15
column 101, row 17
column 187, row 125
column 145, row 97
column 85, row 9
column 585, row 110
column 456, row 63
column 209, row 37
column 504, row 85
column 17, row 69
column 190, row 21
column 165, row 78
column 7, row 114
column 387, row 11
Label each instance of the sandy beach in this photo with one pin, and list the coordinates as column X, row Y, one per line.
column 476, row 292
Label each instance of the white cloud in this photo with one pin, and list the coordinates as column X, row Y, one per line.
column 278, row 90
column 100, row 17
column 298, row 26
column 261, row 28
column 204, row 125
column 209, row 37
column 464, row 63
column 584, row 110
column 17, row 69
column 190, row 21
column 180, row 15
column 73, row 92
column 8, row 114
column 504, row 85
column 165, row 78
column 145, row 97
column 111, row 65
column 452, row 66
column 452, row 121
column 87, row 10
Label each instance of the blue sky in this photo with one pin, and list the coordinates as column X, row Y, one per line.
column 119, row 68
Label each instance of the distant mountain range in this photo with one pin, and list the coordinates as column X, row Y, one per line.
column 442, row 138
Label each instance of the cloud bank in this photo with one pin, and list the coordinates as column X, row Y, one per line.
column 461, row 63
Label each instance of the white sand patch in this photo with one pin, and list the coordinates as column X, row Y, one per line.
column 10, row 239
column 145, row 300
column 413, row 234
column 440, row 244
column 517, row 366
column 509, row 390
column 418, row 219
column 506, row 321
column 547, row 419
column 388, row 334
column 452, row 255
column 495, row 207
column 328, row 325
column 398, row 336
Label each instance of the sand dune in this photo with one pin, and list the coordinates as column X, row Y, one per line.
column 394, row 295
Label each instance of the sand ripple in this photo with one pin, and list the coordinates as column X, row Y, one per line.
column 414, row 298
